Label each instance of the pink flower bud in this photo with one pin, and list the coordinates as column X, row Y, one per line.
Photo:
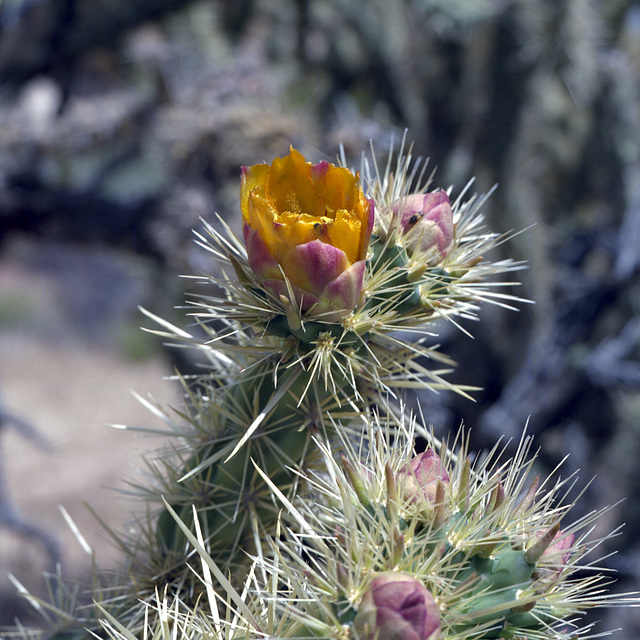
column 557, row 554
column 550, row 550
column 426, row 223
column 418, row 479
column 396, row 606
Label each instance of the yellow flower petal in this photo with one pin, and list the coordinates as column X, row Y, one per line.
column 252, row 178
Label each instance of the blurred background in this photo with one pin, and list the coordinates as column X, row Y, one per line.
column 123, row 122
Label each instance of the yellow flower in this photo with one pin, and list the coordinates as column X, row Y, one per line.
column 310, row 223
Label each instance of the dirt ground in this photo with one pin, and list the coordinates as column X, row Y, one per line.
column 69, row 390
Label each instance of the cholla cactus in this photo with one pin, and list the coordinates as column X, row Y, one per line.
column 355, row 558
column 486, row 554
column 308, row 336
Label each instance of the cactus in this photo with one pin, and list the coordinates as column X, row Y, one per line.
column 293, row 503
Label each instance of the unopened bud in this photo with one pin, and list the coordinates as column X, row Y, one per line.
column 553, row 550
column 397, row 606
column 426, row 223
column 418, row 480
column 541, row 545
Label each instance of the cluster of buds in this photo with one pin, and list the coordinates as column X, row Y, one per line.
column 307, row 230
column 365, row 555
column 431, row 546
column 332, row 273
